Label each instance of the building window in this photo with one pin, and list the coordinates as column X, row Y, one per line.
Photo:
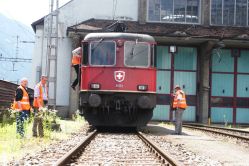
column 230, row 12
column 182, row 11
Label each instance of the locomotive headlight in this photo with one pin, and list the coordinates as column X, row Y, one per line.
column 142, row 87
column 95, row 86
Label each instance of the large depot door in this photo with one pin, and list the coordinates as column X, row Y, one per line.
column 230, row 86
column 180, row 69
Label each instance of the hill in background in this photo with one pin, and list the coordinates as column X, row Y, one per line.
column 10, row 30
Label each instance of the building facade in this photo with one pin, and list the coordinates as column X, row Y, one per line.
column 72, row 13
column 201, row 45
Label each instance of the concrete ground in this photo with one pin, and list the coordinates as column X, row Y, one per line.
column 218, row 148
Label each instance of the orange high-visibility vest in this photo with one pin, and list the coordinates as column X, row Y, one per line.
column 76, row 59
column 76, row 56
column 180, row 103
column 25, row 105
column 40, row 97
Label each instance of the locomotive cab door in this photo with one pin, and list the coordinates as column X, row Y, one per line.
column 84, row 56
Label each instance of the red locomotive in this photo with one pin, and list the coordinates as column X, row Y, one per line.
column 118, row 79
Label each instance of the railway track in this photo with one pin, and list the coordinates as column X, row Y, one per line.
column 117, row 149
column 234, row 133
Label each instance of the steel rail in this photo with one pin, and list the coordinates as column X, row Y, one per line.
column 217, row 132
column 217, row 127
column 64, row 159
column 167, row 158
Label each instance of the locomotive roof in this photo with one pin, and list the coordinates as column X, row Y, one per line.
column 115, row 35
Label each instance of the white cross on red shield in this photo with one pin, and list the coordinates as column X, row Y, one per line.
column 119, row 76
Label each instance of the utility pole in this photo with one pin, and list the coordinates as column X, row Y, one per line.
column 52, row 51
column 17, row 45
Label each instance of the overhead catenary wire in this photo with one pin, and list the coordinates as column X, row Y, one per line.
column 15, row 59
column 14, row 55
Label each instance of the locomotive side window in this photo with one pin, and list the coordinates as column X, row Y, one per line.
column 103, row 53
column 153, row 57
column 85, row 53
column 136, row 54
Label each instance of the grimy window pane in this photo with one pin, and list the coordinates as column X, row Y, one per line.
column 103, row 53
column 241, row 12
column 192, row 11
column 154, row 10
column 167, row 11
column 228, row 12
column 216, row 12
column 179, row 10
column 174, row 11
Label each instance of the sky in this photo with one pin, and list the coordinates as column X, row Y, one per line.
column 26, row 11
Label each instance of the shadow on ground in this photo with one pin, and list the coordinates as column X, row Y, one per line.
column 154, row 129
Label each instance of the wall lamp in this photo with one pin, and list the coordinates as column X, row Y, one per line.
column 172, row 49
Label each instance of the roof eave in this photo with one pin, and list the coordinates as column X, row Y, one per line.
column 38, row 22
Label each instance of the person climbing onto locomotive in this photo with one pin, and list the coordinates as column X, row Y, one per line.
column 76, row 58
column 179, row 105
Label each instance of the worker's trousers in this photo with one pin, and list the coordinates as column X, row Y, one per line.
column 37, row 125
column 76, row 81
column 178, row 120
column 20, row 119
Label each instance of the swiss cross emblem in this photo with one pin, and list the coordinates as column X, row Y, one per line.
column 119, row 76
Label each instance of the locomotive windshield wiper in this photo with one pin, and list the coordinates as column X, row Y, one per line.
column 133, row 48
column 98, row 43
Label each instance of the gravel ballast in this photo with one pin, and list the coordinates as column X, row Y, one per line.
column 198, row 148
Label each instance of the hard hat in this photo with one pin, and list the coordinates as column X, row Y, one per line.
column 177, row 86
column 44, row 75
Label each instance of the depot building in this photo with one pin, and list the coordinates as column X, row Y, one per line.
column 201, row 46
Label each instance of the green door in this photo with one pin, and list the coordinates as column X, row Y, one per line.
column 230, row 86
column 222, row 87
column 183, row 72
column 185, row 65
column 242, row 102
column 161, row 112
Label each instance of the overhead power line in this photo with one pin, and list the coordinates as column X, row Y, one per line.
column 15, row 59
column 27, row 41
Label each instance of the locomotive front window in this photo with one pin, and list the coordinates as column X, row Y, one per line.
column 103, row 53
column 136, row 54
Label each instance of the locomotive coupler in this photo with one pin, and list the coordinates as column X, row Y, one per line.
column 118, row 105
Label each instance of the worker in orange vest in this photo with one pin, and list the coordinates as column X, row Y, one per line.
column 179, row 105
column 76, row 58
column 22, row 105
column 40, row 101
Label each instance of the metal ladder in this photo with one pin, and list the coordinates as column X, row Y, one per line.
column 52, row 51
